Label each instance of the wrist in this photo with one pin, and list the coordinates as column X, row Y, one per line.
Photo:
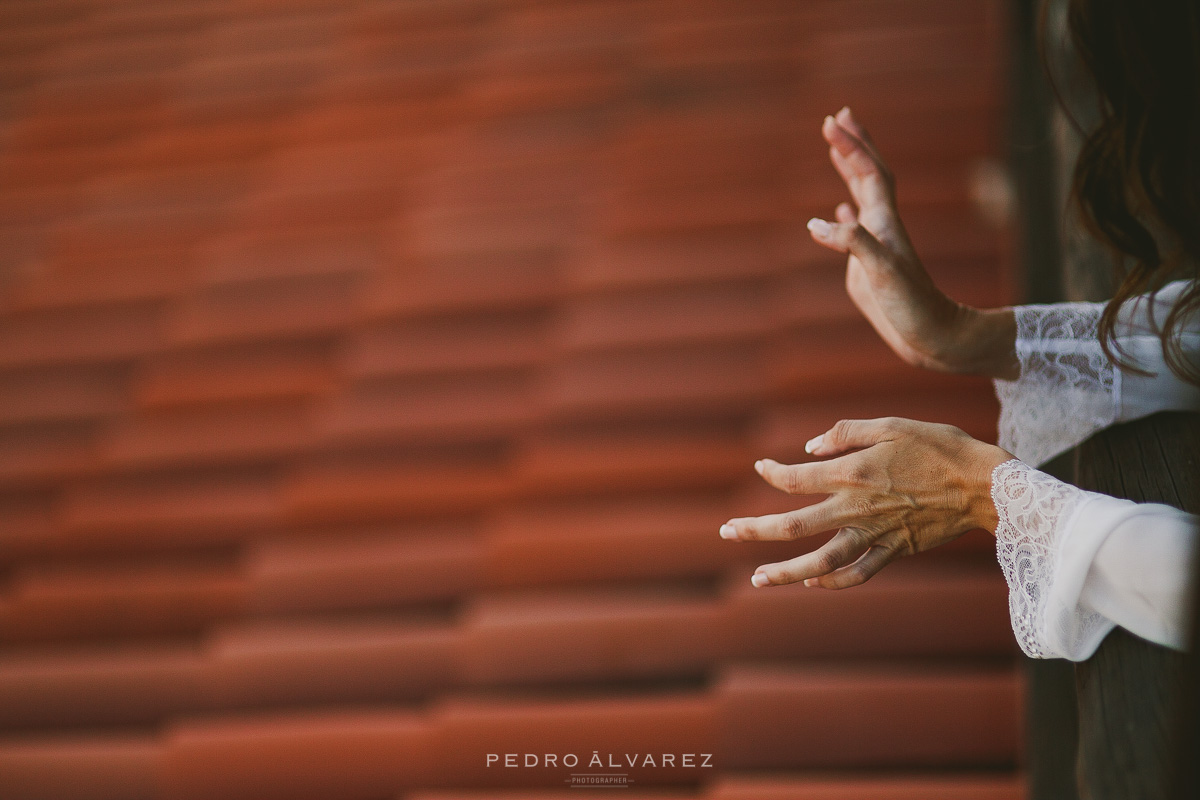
column 982, row 465
column 983, row 342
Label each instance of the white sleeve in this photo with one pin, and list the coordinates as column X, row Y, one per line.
column 1079, row 563
column 1068, row 388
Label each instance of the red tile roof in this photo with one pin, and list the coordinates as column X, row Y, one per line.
column 374, row 377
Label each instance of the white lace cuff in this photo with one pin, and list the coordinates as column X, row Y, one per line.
column 1068, row 388
column 1035, row 513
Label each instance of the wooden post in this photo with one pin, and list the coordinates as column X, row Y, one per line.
column 1129, row 690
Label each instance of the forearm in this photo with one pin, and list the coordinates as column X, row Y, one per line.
column 984, row 343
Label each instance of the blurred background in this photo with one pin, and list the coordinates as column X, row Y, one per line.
column 376, row 374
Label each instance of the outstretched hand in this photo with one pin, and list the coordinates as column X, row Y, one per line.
column 886, row 279
column 907, row 487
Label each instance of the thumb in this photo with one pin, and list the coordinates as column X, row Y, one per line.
column 854, row 434
column 851, row 237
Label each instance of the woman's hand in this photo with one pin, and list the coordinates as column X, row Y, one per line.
column 910, row 486
column 886, row 280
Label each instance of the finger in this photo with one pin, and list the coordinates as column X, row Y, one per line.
column 858, row 573
column 853, row 434
column 869, row 184
column 857, row 161
column 846, row 142
column 850, row 237
column 820, row 517
column 813, row 478
column 845, row 213
column 845, row 546
column 848, row 122
column 846, row 137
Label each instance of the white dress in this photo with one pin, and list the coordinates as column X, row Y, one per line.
column 1079, row 563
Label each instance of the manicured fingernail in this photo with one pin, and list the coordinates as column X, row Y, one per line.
column 810, row 582
column 820, row 227
column 760, row 580
column 728, row 531
column 759, row 466
column 814, row 443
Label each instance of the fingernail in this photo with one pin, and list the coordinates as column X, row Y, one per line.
column 820, row 227
column 810, row 582
column 760, row 580
column 759, row 466
column 845, row 110
column 813, row 443
column 728, row 531
column 828, row 118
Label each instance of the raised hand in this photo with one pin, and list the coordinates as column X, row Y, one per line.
column 886, row 279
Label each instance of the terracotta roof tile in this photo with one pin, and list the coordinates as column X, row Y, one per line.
column 374, row 378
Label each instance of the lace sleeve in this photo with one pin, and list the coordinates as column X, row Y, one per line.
column 1079, row 563
column 1067, row 389
column 1033, row 508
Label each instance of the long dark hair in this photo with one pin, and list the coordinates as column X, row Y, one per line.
column 1139, row 168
